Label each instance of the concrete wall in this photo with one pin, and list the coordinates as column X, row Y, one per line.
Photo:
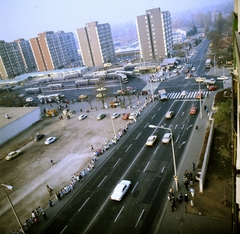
column 19, row 124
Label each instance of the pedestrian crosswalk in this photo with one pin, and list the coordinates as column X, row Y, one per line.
column 188, row 95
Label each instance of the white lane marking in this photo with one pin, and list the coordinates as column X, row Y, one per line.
column 146, row 167
column 116, row 162
column 139, row 134
column 155, row 151
column 134, row 187
column 183, row 127
column 153, row 116
column 163, row 169
column 159, row 108
column 83, row 204
column 118, row 214
column 176, row 126
column 139, row 218
column 189, row 126
column 182, row 144
column 177, row 139
column 63, row 229
column 146, row 125
column 102, row 181
column 128, row 148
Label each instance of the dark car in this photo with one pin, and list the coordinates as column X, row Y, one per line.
column 38, row 136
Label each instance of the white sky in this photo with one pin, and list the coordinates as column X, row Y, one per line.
column 26, row 18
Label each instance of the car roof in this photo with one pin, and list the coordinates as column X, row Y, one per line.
column 167, row 134
column 152, row 137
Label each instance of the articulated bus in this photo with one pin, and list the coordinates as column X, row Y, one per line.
column 50, row 98
column 85, row 82
column 55, row 86
column 33, row 90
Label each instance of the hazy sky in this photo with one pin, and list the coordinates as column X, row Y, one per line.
column 26, row 18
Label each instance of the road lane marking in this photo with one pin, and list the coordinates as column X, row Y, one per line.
column 146, row 125
column 146, row 167
column 83, row 204
column 182, row 114
column 118, row 214
column 183, row 127
column 163, row 169
column 153, row 116
column 182, row 144
column 139, row 218
column 139, row 134
column 116, row 162
column 176, row 126
column 128, row 148
column 159, row 108
column 189, row 126
column 156, row 150
column 63, row 229
column 177, row 138
column 102, row 181
column 134, row 187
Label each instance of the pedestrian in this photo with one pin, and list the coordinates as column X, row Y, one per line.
column 193, row 166
column 44, row 215
column 186, row 184
column 173, row 206
column 95, row 107
column 52, row 162
column 196, row 128
column 80, row 110
column 92, row 148
column 205, row 107
column 40, row 209
column 50, row 203
column 49, row 190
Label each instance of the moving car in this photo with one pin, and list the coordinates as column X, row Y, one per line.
column 29, row 99
column 120, row 190
column 100, row 95
column 125, row 116
column 193, row 69
column 151, row 140
column 101, row 89
column 38, row 136
column 166, row 138
column 50, row 140
column 101, row 116
column 199, row 95
column 13, row 154
column 193, row 110
column 212, row 88
column 21, row 95
column 81, row 117
column 183, row 93
column 82, row 96
column 132, row 116
column 169, row 114
column 222, row 78
column 115, row 115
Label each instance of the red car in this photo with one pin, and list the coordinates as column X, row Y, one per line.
column 212, row 88
column 125, row 116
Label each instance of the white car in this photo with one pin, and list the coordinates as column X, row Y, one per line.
column 151, row 140
column 50, row 140
column 101, row 89
column 13, row 154
column 222, row 78
column 81, row 117
column 21, row 95
column 132, row 116
column 115, row 115
column 29, row 99
column 166, row 138
column 120, row 190
column 184, row 93
column 179, row 66
column 193, row 69
column 169, row 114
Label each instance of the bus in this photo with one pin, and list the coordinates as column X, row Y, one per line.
column 33, row 90
column 85, row 82
column 123, row 78
column 55, row 86
column 50, row 98
column 208, row 63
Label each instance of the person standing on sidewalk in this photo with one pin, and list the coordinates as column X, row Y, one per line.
column 193, row 166
column 196, row 128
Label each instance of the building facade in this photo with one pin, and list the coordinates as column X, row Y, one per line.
column 54, row 50
column 96, row 44
column 11, row 61
column 27, row 55
column 154, row 31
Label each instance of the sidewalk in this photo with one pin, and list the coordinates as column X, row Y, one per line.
column 180, row 221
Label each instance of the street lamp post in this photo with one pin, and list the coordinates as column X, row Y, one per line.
column 200, row 100
column 10, row 202
column 173, row 153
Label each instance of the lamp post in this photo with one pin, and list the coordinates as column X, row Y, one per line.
column 10, row 202
column 173, row 153
column 114, row 131
column 200, row 99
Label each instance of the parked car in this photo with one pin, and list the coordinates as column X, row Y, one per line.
column 179, row 66
column 21, row 95
column 169, row 114
column 166, row 138
column 151, row 140
column 50, row 140
column 120, row 190
column 125, row 116
column 222, row 78
column 82, row 96
column 81, row 117
column 101, row 89
column 115, row 115
column 101, row 116
column 132, row 116
column 193, row 110
column 29, row 99
column 38, row 136
column 100, row 95
column 13, row 154
column 212, row 88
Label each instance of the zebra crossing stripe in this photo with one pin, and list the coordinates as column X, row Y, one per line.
column 189, row 95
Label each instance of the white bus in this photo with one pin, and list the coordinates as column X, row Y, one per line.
column 55, row 86
column 50, row 98
column 33, row 90
column 208, row 63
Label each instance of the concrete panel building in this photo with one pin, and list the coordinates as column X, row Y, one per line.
column 155, row 35
column 20, row 119
column 11, row 62
column 55, row 50
column 96, row 44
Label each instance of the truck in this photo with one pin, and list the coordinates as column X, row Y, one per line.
column 162, row 94
column 211, row 81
